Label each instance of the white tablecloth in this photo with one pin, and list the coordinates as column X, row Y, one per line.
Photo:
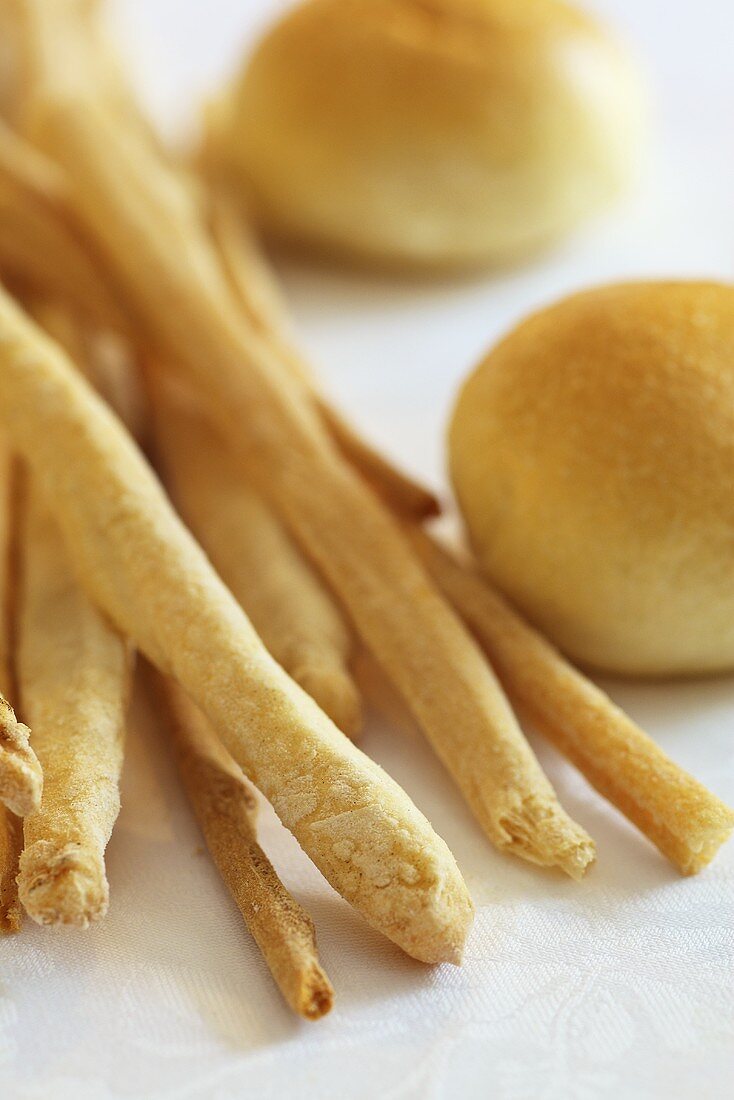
column 621, row 986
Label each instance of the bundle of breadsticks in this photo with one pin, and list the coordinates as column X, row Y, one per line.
column 135, row 294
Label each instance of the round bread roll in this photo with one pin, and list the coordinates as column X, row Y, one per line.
column 432, row 133
column 592, row 453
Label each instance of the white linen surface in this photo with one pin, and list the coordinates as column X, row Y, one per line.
column 621, row 986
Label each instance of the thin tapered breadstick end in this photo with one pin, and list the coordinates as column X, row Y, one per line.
column 336, row 693
column 294, row 964
column 540, row 832
column 307, row 989
column 21, row 778
column 63, row 885
column 317, row 998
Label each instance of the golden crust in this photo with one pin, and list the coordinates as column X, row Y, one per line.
column 678, row 814
column 11, row 843
column 592, row 453
column 430, row 132
column 286, row 602
column 63, row 883
column 257, row 293
column 73, row 678
column 172, row 274
column 226, row 809
column 21, row 778
column 40, row 241
column 11, row 829
column 141, row 565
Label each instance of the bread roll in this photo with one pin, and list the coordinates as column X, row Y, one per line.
column 592, row 452
column 434, row 133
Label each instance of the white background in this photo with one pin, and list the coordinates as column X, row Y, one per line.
column 618, row 987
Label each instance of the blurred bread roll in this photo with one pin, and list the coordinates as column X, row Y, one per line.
column 431, row 133
column 592, row 453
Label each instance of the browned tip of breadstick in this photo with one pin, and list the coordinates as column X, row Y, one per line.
column 407, row 497
column 677, row 813
column 11, row 842
column 316, row 1000
column 63, row 885
column 21, row 778
column 226, row 809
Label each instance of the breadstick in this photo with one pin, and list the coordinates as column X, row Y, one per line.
column 73, row 677
column 253, row 554
column 257, row 293
column 109, row 74
column 161, row 255
column 104, row 358
column 147, row 573
column 21, row 779
column 11, row 842
column 40, row 243
column 686, row 822
column 226, row 809
column 11, row 75
column 11, row 831
column 246, row 268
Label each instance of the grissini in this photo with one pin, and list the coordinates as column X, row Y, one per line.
column 226, row 809
column 21, row 778
column 146, row 572
column 109, row 74
column 224, row 803
column 104, row 357
column 148, row 229
column 40, row 241
column 73, row 673
column 11, row 829
column 251, row 281
column 676, row 812
column 256, row 290
column 11, row 843
column 294, row 615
